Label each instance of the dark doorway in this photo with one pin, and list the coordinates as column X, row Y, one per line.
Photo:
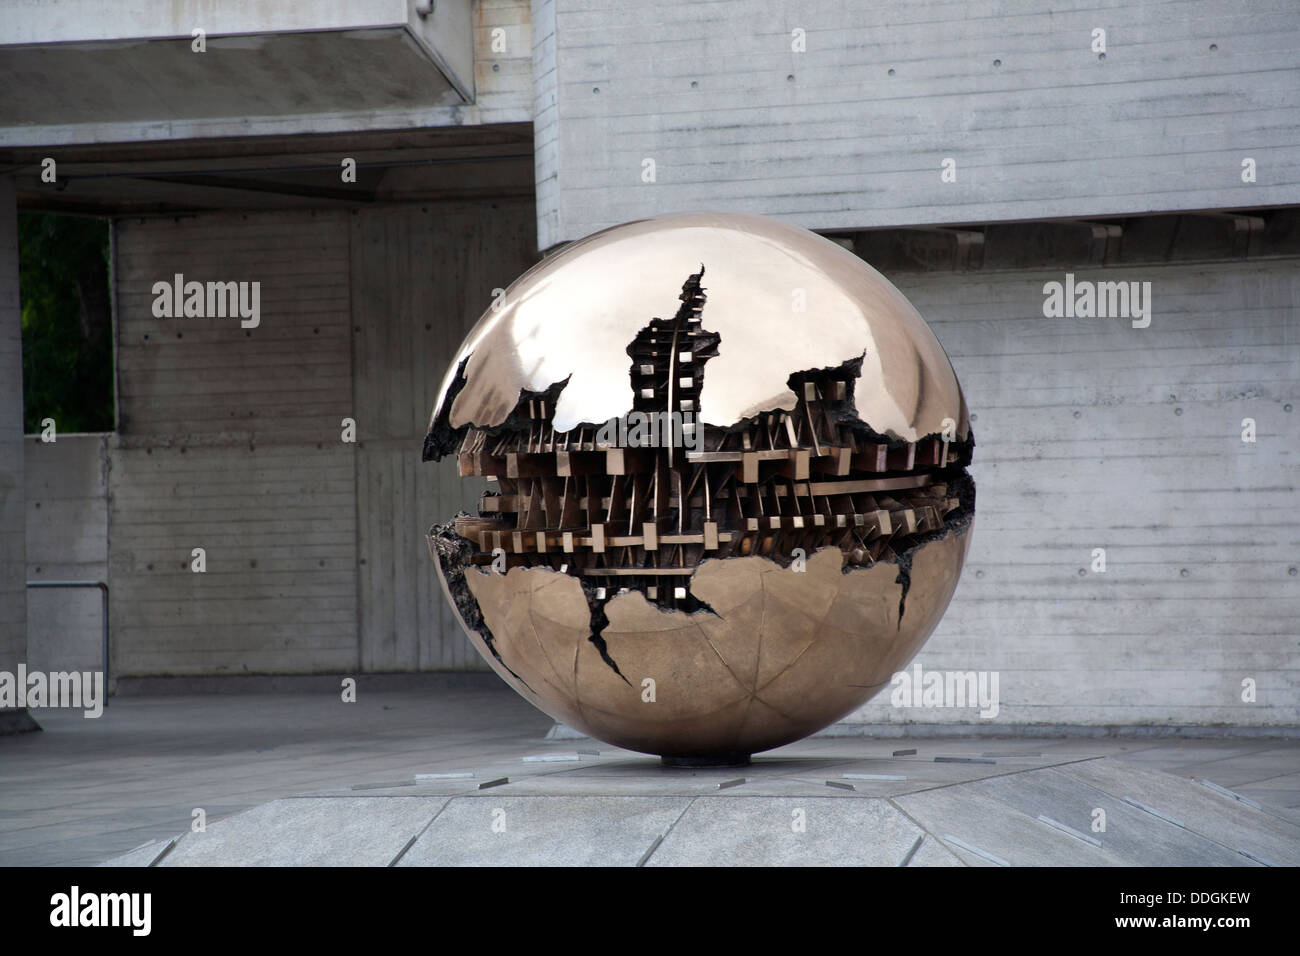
column 67, row 320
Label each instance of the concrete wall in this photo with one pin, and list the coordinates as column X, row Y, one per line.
column 851, row 133
column 231, row 438
column 230, row 442
column 67, row 540
column 421, row 276
column 1093, row 434
column 546, row 118
column 503, row 79
column 13, row 561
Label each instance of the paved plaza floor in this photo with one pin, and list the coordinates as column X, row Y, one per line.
column 411, row 776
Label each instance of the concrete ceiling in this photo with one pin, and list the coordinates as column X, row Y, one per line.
column 136, row 119
column 83, row 71
column 268, row 172
column 240, row 76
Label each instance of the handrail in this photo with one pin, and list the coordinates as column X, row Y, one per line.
column 103, row 588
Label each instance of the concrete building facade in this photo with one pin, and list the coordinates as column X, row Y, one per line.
column 975, row 154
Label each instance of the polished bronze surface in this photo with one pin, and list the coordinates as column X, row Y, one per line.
column 782, row 299
column 722, row 522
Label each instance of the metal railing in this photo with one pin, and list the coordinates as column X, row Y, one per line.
column 103, row 589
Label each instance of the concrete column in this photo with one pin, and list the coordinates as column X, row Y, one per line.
column 13, row 546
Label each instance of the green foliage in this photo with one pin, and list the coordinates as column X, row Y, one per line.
column 67, row 322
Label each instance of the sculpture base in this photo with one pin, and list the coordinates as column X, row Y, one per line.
column 703, row 763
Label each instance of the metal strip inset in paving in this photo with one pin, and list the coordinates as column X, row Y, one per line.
column 970, row 848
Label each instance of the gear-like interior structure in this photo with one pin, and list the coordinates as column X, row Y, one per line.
column 638, row 508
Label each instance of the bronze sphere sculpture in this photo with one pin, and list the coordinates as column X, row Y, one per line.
column 731, row 497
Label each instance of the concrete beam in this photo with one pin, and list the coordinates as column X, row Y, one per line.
column 275, row 172
column 89, row 73
column 74, row 21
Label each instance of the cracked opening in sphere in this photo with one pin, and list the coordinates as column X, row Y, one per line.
column 637, row 504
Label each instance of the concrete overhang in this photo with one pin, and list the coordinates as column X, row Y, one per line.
column 85, row 71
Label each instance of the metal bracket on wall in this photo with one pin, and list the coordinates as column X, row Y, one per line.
column 1243, row 232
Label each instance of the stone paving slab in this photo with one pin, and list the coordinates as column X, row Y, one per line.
column 1011, row 819
column 308, row 831
column 765, row 831
column 116, row 823
column 931, row 852
column 1240, row 769
column 1282, row 803
column 81, row 851
column 1280, row 781
column 1132, row 836
column 145, row 855
column 970, row 824
column 1172, row 754
column 1213, row 816
column 499, row 830
column 1005, row 815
